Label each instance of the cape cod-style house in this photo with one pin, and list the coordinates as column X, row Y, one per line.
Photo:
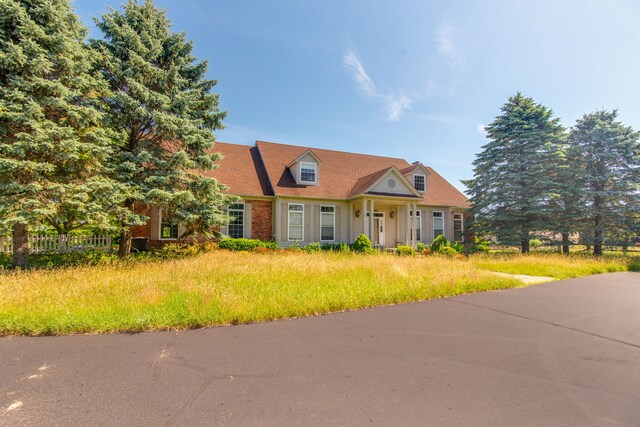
column 301, row 194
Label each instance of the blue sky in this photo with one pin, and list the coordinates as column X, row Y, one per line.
column 409, row 79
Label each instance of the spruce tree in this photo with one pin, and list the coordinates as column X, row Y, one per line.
column 566, row 202
column 164, row 114
column 513, row 174
column 608, row 157
column 51, row 140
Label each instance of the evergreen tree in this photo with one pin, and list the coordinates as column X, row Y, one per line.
column 513, row 175
column 51, row 140
column 164, row 114
column 566, row 202
column 608, row 155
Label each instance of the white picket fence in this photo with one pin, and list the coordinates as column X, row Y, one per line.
column 61, row 243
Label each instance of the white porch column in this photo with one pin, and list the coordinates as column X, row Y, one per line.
column 371, row 213
column 413, row 225
column 408, row 223
column 351, row 206
column 397, row 208
column 363, row 212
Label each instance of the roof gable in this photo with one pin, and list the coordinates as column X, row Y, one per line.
column 304, row 157
column 389, row 181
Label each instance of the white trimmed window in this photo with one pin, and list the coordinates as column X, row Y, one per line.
column 418, row 226
column 236, row 225
column 327, row 223
column 420, row 183
column 308, row 172
column 168, row 228
column 438, row 224
column 458, row 228
column 296, row 222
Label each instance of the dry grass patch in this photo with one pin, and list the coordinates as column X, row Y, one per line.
column 222, row 288
column 554, row 265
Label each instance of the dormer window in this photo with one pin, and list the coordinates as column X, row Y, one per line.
column 420, row 183
column 308, row 173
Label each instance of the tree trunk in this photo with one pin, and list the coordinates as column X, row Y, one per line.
column 20, row 245
column 125, row 242
column 524, row 246
column 565, row 243
column 597, row 236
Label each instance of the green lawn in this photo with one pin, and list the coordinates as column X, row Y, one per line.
column 222, row 288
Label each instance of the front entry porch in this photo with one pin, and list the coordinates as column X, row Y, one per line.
column 387, row 222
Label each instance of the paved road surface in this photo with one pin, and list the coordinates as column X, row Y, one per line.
column 565, row 353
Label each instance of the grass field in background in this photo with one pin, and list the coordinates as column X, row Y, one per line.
column 222, row 288
column 554, row 265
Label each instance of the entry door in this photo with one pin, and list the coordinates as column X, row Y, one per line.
column 378, row 234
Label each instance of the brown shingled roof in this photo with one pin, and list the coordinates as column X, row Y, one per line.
column 241, row 169
column 262, row 170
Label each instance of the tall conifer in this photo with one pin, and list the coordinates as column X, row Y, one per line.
column 164, row 113
column 513, row 178
column 51, row 141
column 608, row 157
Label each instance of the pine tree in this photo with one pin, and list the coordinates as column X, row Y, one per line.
column 608, row 155
column 51, row 140
column 164, row 114
column 513, row 175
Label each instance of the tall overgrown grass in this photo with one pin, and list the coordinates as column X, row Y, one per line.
column 223, row 288
column 555, row 265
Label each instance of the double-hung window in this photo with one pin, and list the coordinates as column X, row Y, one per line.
column 438, row 224
column 308, row 173
column 296, row 222
column 327, row 223
column 168, row 228
column 236, row 225
column 417, row 222
column 458, row 228
column 420, row 183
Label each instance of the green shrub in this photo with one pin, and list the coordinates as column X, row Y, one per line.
column 535, row 243
column 313, row 247
column 271, row 245
column 447, row 250
column 420, row 247
column 405, row 251
column 335, row 247
column 362, row 244
column 439, row 242
column 479, row 246
column 459, row 247
column 241, row 244
column 176, row 250
column 295, row 246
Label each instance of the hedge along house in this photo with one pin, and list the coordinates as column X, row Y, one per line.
column 300, row 194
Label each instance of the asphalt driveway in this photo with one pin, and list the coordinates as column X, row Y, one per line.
column 564, row 353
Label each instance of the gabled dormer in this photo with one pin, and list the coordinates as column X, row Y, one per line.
column 306, row 169
column 417, row 174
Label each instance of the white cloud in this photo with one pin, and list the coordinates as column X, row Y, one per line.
column 480, row 129
column 447, row 39
column 395, row 105
column 351, row 61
